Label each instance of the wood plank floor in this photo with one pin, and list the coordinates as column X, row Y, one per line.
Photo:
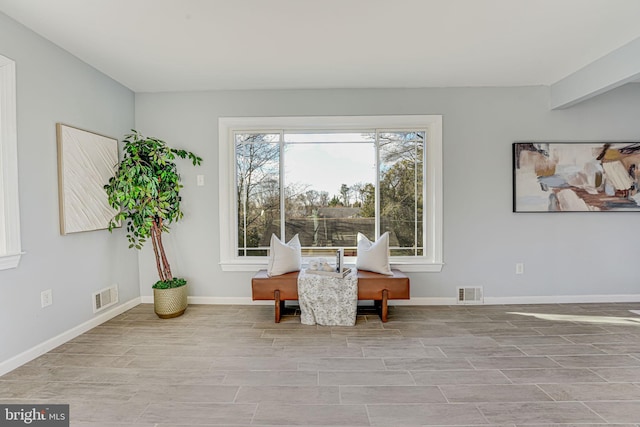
column 526, row 365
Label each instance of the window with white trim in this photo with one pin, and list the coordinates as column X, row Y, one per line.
column 10, row 249
column 326, row 179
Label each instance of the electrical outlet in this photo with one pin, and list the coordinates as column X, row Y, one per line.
column 46, row 298
column 520, row 268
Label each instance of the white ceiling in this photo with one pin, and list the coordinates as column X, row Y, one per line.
column 174, row 45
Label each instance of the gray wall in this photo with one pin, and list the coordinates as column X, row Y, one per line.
column 566, row 254
column 570, row 254
column 54, row 86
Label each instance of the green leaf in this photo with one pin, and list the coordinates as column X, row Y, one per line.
column 145, row 186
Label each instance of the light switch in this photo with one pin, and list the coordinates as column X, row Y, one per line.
column 200, row 180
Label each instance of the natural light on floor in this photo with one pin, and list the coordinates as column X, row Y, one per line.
column 584, row 319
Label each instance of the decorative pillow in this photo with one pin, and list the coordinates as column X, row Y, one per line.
column 284, row 258
column 374, row 256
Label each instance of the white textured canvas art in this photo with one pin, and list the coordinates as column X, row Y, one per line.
column 86, row 161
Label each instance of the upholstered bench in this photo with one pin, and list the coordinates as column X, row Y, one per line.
column 371, row 286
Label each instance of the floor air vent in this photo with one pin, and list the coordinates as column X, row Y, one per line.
column 105, row 298
column 470, row 296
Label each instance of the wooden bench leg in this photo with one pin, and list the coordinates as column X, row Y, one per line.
column 377, row 306
column 384, row 308
column 279, row 304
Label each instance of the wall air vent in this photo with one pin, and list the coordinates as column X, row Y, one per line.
column 105, row 298
column 470, row 296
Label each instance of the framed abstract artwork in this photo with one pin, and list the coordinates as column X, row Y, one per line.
column 86, row 161
column 576, row 176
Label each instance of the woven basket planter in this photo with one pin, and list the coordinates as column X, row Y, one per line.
column 169, row 303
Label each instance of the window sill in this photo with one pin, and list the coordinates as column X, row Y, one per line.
column 10, row 261
column 403, row 266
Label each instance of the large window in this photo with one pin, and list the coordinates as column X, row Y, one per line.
column 328, row 178
column 9, row 213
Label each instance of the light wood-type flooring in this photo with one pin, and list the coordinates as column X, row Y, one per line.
column 524, row 365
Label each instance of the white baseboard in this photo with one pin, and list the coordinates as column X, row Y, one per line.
column 543, row 299
column 423, row 301
column 228, row 301
column 148, row 299
column 561, row 299
column 40, row 349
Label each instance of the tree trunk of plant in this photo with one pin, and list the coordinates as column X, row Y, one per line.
column 164, row 271
column 154, row 240
column 162, row 264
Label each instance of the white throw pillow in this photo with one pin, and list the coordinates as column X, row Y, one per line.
column 284, row 258
column 374, row 256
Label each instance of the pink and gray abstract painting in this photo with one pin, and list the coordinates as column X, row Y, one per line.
column 574, row 177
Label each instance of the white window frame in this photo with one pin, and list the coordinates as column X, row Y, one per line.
column 229, row 259
column 10, row 248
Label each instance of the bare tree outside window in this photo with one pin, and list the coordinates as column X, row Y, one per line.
column 401, row 189
column 258, row 189
column 327, row 202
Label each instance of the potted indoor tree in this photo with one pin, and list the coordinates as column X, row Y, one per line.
column 145, row 190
